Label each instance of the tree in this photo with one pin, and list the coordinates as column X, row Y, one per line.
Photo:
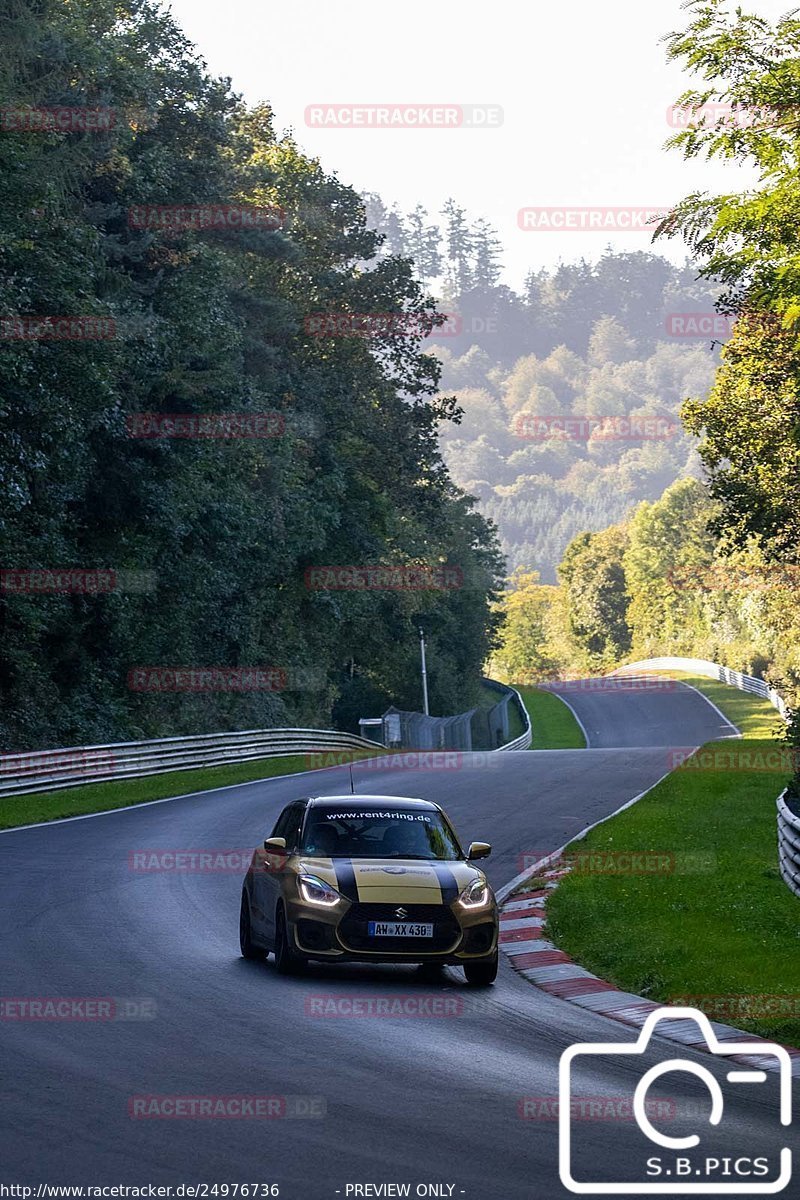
column 524, row 653
column 459, row 273
column 609, row 343
column 209, row 319
column 594, row 581
column 747, row 111
column 669, row 547
column 423, row 243
column 751, row 446
column 486, row 248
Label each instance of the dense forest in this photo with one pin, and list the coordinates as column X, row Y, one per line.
column 612, row 347
column 180, row 447
column 710, row 568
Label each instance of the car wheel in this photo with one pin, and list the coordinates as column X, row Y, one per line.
column 483, row 972
column 246, row 944
column 287, row 960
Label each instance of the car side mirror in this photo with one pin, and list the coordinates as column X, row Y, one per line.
column 479, row 850
column 275, row 845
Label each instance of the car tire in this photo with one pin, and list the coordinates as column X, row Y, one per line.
column 287, row 960
column 482, row 972
column 249, row 949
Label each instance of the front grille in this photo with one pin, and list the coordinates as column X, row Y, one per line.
column 353, row 930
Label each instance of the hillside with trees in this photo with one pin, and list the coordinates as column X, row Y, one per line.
column 202, row 318
column 711, row 568
column 594, row 346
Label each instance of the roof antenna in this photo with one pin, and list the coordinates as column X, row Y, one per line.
column 352, row 786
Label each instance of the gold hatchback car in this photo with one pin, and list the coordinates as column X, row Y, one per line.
column 373, row 879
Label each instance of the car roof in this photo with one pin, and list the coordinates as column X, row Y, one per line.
column 368, row 802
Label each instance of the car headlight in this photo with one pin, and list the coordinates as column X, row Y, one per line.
column 317, row 891
column 475, row 894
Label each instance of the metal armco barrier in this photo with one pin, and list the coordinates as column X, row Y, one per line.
column 523, row 742
column 789, row 845
column 701, row 666
column 788, row 821
column 48, row 770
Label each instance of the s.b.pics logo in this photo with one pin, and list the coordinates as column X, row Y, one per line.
column 703, row 1150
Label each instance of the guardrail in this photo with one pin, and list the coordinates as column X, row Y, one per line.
column 789, row 845
column 523, row 742
column 788, row 821
column 47, row 770
column 701, row 666
column 22, row 773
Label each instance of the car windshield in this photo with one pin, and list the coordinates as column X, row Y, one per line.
column 339, row 833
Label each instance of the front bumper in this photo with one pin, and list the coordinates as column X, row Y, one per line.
column 460, row 935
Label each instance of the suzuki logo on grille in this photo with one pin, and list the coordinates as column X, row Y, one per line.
column 401, row 913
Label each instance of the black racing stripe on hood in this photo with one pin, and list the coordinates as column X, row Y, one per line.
column 346, row 878
column 447, row 881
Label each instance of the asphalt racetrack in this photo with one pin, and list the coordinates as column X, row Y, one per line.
column 371, row 1100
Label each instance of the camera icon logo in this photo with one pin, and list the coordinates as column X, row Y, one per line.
column 673, row 1174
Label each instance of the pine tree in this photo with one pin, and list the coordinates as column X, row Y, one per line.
column 487, row 248
column 423, row 245
column 458, row 240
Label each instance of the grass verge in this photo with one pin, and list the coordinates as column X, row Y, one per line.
column 554, row 726
column 104, row 797
column 720, row 930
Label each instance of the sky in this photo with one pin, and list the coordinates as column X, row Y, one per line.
column 574, row 96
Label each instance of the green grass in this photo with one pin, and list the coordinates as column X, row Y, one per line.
column 554, row 726
column 103, row 797
column 753, row 717
column 720, row 924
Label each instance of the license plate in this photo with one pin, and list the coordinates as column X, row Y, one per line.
column 399, row 929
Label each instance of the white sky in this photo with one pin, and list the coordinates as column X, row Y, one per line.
column 583, row 85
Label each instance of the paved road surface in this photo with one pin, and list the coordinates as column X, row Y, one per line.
column 408, row 1099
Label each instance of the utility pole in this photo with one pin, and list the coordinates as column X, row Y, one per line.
column 424, row 673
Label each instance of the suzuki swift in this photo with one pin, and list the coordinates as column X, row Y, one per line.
column 372, row 879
